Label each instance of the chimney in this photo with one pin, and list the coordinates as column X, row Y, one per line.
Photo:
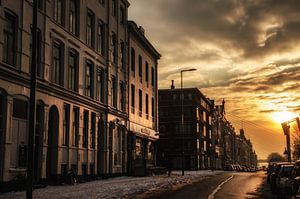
column 142, row 30
column 172, row 86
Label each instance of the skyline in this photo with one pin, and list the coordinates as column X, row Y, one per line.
column 244, row 51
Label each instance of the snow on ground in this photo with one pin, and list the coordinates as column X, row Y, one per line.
column 120, row 187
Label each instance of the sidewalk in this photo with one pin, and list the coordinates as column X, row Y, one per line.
column 120, row 187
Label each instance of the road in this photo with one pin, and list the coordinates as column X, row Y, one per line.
column 227, row 185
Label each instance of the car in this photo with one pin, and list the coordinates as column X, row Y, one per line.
column 275, row 173
column 283, row 184
column 295, row 179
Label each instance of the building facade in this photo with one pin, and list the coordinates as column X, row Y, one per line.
column 82, row 112
column 190, row 141
column 142, row 73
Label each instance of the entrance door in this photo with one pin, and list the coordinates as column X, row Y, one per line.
column 100, row 149
column 52, row 151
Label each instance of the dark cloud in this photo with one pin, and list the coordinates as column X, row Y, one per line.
column 229, row 23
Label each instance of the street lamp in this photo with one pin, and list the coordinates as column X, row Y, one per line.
column 181, row 90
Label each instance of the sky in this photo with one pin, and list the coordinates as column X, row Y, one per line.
column 245, row 51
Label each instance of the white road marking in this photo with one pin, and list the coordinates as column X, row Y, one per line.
column 212, row 195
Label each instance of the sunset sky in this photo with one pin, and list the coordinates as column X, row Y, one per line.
column 246, row 51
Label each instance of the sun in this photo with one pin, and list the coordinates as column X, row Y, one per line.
column 283, row 116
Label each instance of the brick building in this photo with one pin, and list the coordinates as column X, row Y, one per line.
column 191, row 141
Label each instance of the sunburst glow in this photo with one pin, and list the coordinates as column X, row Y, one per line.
column 283, row 116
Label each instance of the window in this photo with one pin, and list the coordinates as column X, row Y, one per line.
column 90, row 29
column 114, row 8
column 75, row 131
column 140, row 102
column 133, row 61
column 123, row 55
column 140, row 68
column 113, row 92
column 20, row 109
column 100, row 85
column 40, row 4
column 39, row 69
column 2, row 116
column 147, row 72
column 66, row 125
column 101, row 38
column 122, row 15
column 115, row 47
column 85, row 128
column 59, row 11
column 93, row 130
column 73, row 17
column 122, row 95
column 89, row 79
column 152, row 76
column 10, row 43
column 153, row 107
column 147, row 106
column 73, row 71
column 57, row 68
column 102, row 2
column 132, row 98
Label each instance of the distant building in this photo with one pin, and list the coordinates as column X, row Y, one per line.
column 193, row 140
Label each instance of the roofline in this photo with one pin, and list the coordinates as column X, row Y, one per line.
column 134, row 29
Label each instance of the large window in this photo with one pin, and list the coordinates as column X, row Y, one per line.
column 93, row 130
column 147, row 72
column 132, row 61
column 132, row 98
column 66, row 125
column 147, row 106
column 75, row 130
column 73, row 71
column 57, row 65
column 9, row 36
column 59, row 11
column 113, row 92
column 122, row 15
column 89, row 79
column 73, row 17
column 140, row 68
column 90, row 28
column 122, row 95
column 153, row 108
column 85, row 128
column 114, row 8
column 152, row 76
column 115, row 47
column 140, row 102
column 101, row 38
column 123, row 55
column 39, row 69
column 100, row 85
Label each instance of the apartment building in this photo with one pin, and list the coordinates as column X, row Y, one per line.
column 185, row 142
column 143, row 62
column 82, row 112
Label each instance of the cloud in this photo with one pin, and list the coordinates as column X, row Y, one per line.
column 246, row 51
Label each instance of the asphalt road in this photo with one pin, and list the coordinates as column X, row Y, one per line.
column 223, row 186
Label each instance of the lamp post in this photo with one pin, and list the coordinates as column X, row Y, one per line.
column 181, row 90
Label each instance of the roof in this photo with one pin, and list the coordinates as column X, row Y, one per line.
column 138, row 33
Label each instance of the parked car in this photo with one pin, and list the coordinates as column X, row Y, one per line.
column 229, row 167
column 295, row 179
column 283, row 184
column 275, row 173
